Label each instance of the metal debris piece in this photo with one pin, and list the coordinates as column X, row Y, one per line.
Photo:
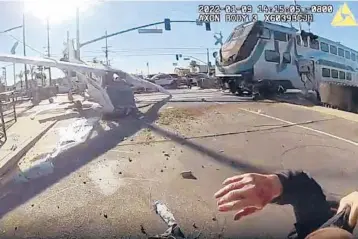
column 162, row 210
column 173, row 231
column 188, row 175
column 143, row 230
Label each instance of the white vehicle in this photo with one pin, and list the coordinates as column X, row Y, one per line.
column 94, row 76
column 268, row 58
column 164, row 80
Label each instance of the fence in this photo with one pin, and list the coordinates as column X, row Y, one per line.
column 8, row 115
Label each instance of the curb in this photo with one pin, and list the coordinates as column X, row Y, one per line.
column 15, row 157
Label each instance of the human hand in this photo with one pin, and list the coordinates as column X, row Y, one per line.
column 352, row 201
column 248, row 193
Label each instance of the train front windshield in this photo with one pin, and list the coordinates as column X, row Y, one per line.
column 240, row 43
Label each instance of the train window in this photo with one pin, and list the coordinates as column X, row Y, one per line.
column 333, row 50
column 324, row 47
column 286, row 57
column 280, row 36
column 353, row 56
column 334, row 74
column 347, row 54
column 326, row 72
column 272, row 56
column 340, row 52
column 342, row 75
column 349, row 76
column 298, row 40
column 265, row 33
column 314, row 44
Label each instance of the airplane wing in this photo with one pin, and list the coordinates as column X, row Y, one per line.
column 100, row 69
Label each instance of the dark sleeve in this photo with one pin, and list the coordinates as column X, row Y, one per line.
column 307, row 199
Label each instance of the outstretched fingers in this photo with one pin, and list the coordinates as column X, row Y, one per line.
column 228, row 188
column 233, row 179
column 245, row 212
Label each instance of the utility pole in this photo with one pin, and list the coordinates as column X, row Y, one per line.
column 24, row 44
column 148, row 67
column 13, row 67
column 299, row 22
column 48, row 49
column 208, row 59
column 106, row 50
column 78, row 33
column 4, row 75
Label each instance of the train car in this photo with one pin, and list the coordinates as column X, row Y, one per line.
column 263, row 58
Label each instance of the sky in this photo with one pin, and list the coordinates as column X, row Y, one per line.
column 132, row 51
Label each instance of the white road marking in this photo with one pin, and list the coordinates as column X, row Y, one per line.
column 302, row 127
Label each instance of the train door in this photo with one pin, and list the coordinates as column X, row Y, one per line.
column 307, row 71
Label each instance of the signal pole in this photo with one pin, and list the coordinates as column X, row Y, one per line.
column 78, row 33
column 48, row 49
column 24, row 44
column 208, row 59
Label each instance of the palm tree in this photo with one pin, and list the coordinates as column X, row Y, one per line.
column 21, row 75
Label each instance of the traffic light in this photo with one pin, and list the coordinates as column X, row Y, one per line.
column 207, row 26
column 167, row 24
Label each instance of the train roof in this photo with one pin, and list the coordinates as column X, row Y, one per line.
column 292, row 30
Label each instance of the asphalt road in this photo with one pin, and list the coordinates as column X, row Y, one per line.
column 106, row 188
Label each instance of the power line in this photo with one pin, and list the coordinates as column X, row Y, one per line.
column 153, row 49
column 150, row 54
column 26, row 44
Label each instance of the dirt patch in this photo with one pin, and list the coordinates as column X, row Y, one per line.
column 177, row 115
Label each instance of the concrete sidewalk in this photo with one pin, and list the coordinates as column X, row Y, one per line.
column 31, row 125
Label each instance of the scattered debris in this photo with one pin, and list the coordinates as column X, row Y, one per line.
column 167, row 158
column 174, row 230
column 202, row 166
column 105, row 215
column 195, row 226
column 58, row 207
column 84, row 182
column 217, row 169
column 188, row 175
column 120, row 173
column 214, row 219
column 161, row 170
column 221, row 151
column 143, row 230
column 15, row 228
column 129, row 159
column 167, row 155
column 32, row 205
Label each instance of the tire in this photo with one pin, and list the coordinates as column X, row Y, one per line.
column 232, row 87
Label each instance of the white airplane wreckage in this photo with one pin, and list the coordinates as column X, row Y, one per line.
column 113, row 95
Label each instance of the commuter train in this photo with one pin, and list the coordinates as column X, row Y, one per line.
column 264, row 58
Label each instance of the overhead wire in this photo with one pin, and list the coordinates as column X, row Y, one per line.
column 25, row 44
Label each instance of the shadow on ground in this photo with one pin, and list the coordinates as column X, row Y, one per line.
column 13, row 194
